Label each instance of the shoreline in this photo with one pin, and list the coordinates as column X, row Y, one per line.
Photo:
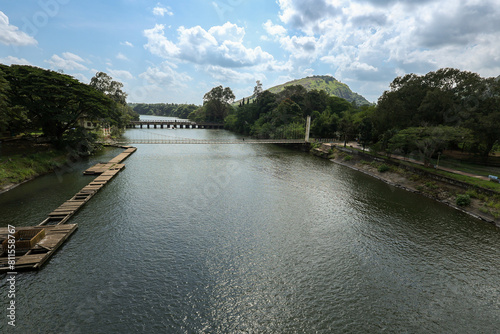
column 440, row 192
column 59, row 161
column 10, row 186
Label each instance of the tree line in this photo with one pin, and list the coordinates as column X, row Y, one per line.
column 164, row 109
column 35, row 100
column 447, row 108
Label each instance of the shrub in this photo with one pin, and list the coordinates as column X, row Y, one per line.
column 315, row 145
column 463, row 200
column 431, row 185
column 472, row 193
column 484, row 210
column 347, row 158
column 383, row 168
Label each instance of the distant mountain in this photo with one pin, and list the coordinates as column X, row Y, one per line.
column 327, row 83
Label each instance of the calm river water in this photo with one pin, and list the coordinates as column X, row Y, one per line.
column 251, row 239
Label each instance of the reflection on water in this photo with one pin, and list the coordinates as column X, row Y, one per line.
column 253, row 238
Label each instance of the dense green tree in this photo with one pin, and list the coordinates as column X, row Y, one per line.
column 287, row 112
column 437, row 98
column 339, row 105
column 365, row 131
column 483, row 117
column 13, row 119
column 347, row 126
column 217, row 103
column 324, row 124
column 55, row 102
column 113, row 89
column 314, row 100
column 427, row 140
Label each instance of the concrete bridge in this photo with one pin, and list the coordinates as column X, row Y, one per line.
column 174, row 124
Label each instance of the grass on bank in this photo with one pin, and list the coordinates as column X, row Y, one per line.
column 20, row 167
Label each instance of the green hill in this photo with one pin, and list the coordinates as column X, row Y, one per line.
column 327, row 83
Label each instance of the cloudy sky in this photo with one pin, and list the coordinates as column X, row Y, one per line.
column 176, row 51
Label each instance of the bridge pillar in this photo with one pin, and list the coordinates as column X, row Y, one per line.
column 154, row 126
column 161, row 126
column 141, row 126
column 308, row 128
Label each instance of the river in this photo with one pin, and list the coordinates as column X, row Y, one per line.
column 251, row 239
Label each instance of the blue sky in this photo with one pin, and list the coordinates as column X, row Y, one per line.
column 176, row 51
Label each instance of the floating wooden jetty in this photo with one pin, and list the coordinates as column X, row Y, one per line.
column 36, row 256
column 53, row 229
column 111, row 164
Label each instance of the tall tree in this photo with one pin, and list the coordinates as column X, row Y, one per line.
column 483, row 117
column 217, row 103
column 257, row 91
column 113, row 89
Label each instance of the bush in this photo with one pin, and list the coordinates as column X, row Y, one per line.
column 463, row 200
column 431, row 185
column 383, row 168
column 347, row 158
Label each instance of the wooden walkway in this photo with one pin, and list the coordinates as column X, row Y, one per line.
column 56, row 229
column 41, row 252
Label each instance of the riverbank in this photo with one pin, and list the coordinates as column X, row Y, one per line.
column 483, row 206
column 16, row 169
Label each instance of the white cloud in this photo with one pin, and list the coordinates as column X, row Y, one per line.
column 161, row 11
column 229, row 75
column 165, row 75
column 158, row 44
column 120, row 74
column 11, row 35
column 219, row 46
column 127, row 43
column 68, row 62
column 274, row 29
column 121, row 56
column 73, row 57
column 10, row 60
column 375, row 40
column 81, row 77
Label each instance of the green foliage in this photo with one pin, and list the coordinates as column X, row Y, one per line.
column 217, row 103
column 19, row 168
column 198, row 115
column 112, row 89
column 54, row 102
column 347, row 157
column 79, row 142
column 383, row 168
column 324, row 124
column 447, row 97
column 463, row 200
column 427, row 140
column 164, row 109
column 431, row 185
column 315, row 145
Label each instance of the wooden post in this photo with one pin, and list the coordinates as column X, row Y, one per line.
column 308, row 128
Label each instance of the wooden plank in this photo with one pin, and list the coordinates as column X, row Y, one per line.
column 54, row 238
